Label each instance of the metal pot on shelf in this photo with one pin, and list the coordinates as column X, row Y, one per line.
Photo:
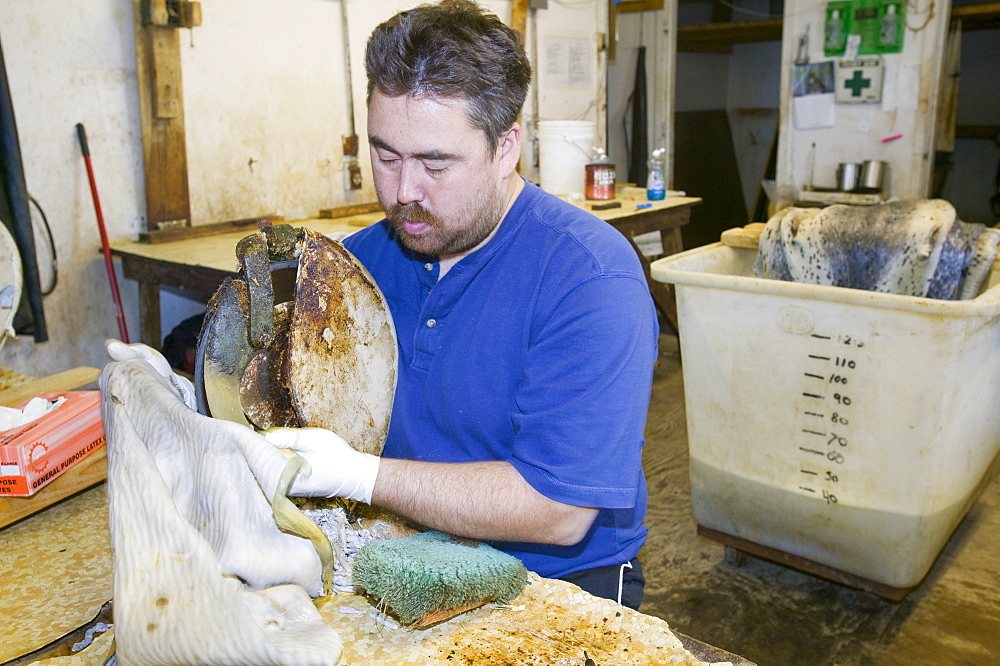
column 872, row 176
column 848, row 174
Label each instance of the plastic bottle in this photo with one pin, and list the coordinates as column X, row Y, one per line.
column 655, row 186
column 890, row 27
column 834, row 31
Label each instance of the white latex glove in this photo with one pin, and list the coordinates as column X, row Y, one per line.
column 119, row 351
column 334, row 468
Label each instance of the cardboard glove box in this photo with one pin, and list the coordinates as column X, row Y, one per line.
column 33, row 454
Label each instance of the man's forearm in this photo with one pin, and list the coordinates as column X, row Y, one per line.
column 481, row 500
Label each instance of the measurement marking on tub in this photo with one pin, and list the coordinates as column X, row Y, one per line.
column 837, row 367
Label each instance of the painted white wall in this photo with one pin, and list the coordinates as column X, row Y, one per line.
column 860, row 127
column 265, row 108
column 71, row 63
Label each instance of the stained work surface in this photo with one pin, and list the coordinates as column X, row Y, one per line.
column 56, row 573
column 773, row 615
column 551, row 623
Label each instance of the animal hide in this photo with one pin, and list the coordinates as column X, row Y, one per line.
column 202, row 573
column 915, row 248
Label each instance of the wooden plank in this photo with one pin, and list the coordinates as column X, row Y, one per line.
column 989, row 132
column 631, row 6
column 519, row 16
column 166, row 73
column 63, row 381
column 88, row 472
column 346, row 211
column 807, row 566
column 149, row 314
column 983, row 16
column 719, row 37
column 168, row 234
column 161, row 111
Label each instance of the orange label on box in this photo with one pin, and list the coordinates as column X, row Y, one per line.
column 34, row 454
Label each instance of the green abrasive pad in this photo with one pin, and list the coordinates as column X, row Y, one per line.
column 429, row 572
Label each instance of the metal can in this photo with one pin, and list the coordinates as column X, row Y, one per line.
column 600, row 181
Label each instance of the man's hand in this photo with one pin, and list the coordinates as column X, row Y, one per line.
column 334, row 469
column 119, row 351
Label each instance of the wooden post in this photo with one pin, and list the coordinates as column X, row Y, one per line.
column 161, row 109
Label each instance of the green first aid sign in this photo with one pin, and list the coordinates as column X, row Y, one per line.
column 859, row 81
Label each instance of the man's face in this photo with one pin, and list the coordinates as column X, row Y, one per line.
column 439, row 186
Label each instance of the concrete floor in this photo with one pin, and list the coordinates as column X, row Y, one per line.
column 774, row 615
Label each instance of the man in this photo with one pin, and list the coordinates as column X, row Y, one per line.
column 527, row 335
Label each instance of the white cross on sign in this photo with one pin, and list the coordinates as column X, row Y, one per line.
column 859, row 81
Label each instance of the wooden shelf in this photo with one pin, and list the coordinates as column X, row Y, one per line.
column 720, row 37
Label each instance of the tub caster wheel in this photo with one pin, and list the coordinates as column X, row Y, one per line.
column 735, row 557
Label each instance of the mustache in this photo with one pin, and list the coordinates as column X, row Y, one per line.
column 412, row 211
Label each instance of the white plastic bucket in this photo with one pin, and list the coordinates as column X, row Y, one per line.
column 564, row 150
column 850, row 428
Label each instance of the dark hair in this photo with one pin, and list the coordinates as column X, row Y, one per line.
column 452, row 50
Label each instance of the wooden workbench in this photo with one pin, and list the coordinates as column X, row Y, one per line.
column 195, row 267
column 637, row 216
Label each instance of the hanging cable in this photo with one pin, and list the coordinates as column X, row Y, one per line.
column 52, row 246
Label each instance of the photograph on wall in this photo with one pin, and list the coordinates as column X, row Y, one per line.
column 813, row 88
column 877, row 26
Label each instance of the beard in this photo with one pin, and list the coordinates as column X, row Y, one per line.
column 443, row 238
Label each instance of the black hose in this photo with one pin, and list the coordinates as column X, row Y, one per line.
column 17, row 196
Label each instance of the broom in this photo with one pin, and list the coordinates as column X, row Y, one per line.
column 431, row 576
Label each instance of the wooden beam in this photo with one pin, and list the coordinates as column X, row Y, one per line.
column 719, row 37
column 168, row 234
column 161, row 110
column 630, row 6
column 978, row 17
column 519, row 16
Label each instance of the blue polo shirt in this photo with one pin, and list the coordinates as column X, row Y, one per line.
column 537, row 349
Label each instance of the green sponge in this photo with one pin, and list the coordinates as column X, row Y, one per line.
column 431, row 576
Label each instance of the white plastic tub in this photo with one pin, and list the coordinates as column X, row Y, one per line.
column 850, row 428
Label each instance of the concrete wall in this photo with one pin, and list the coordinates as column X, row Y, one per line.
column 266, row 105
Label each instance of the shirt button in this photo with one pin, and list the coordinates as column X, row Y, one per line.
column 428, row 266
column 431, row 323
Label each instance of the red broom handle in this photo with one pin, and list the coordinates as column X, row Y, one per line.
column 108, row 264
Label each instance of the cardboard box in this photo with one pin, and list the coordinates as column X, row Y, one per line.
column 34, row 454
